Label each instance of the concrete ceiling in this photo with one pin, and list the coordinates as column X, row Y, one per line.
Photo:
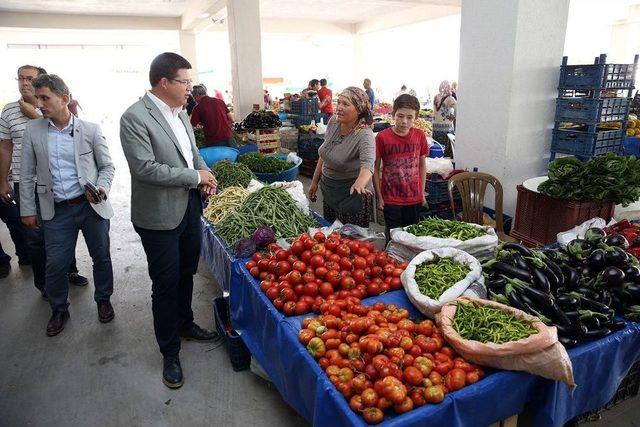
column 338, row 11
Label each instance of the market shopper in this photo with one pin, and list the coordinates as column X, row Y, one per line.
column 62, row 157
column 13, row 120
column 443, row 116
column 311, row 90
column 347, row 156
column 326, row 101
column 166, row 172
column 367, row 87
column 215, row 118
column 401, row 151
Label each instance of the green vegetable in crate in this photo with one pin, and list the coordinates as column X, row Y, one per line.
column 259, row 163
column 489, row 325
column 232, row 174
column 271, row 207
column 436, row 276
column 445, row 229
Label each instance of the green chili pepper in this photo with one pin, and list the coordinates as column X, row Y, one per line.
column 445, row 229
column 488, row 324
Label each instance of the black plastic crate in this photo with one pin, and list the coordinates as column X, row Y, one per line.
column 238, row 352
column 599, row 75
column 305, row 107
column 304, row 119
column 628, row 388
column 587, row 144
column 438, row 190
column 583, row 110
column 308, row 147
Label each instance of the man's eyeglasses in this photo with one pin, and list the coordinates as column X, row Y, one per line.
column 183, row 82
column 22, row 79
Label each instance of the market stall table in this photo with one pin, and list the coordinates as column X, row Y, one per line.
column 272, row 338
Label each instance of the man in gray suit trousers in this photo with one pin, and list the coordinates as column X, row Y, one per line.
column 166, row 173
column 68, row 156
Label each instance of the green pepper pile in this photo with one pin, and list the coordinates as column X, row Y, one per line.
column 445, row 229
column 269, row 206
column 435, row 277
column 488, row 324
column 259, row 163
column 231, row 174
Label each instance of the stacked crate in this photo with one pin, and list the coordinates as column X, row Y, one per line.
column 308, row 145
column 267, row 140
column 304, row 111
column 592, row 108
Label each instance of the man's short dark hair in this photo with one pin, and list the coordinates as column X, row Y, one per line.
column 406, row 101
column 323, row 82
column 40, row 70
column 313, row 82
column 166, row 65
column 199, row 90
column 53, row 82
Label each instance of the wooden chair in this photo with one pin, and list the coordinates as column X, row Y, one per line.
column 472, row 187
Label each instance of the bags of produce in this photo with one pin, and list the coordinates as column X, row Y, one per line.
column 222, row 204
column 294, row 188
column 439, row 276
column 231, row 174
column 260, row 163
column 268, row 206
column 432, row 233
column 505, row 338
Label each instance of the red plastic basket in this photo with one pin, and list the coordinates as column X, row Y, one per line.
column 540, row 218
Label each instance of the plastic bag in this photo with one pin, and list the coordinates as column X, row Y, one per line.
column 481, row 247
column 296, row 190
column 441, row 165
column 425, row 304
column 540, row 354
column 578, row 231
column 321, row 128
column 354, row 232
column 254, row 185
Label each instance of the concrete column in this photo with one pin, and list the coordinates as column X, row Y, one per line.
column 510, row 56
column 188, row 50
column 243, row 17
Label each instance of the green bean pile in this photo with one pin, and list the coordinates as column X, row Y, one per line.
column 488, row 324
column 231, row 174
column 445, row 229
column 269, row 206
column 435, row 277
column 259, row 163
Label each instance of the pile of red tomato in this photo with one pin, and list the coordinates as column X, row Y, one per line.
column 380, row 360
column 320, row 268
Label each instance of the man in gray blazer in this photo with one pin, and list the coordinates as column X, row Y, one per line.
column 63, row 158
column 166, row 173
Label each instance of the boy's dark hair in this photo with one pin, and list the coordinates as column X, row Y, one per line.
column 406, row 101
column 323, row 82
column 53, row 82
column 313, row 82
column 166, row 65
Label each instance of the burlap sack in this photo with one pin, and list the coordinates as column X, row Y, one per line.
column 540, row 354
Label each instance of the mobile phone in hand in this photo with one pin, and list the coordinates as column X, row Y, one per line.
column 93, row 190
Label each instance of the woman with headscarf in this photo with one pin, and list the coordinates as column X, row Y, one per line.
column 443, row 116
column 347, row 156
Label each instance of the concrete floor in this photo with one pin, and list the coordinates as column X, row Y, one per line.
column 110, row 375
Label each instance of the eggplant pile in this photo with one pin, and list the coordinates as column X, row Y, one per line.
column 549, row 284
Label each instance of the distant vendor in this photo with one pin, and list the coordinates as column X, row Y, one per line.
column 215, row 118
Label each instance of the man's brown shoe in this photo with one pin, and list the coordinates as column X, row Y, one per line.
column 56, row 323
column 105, row 311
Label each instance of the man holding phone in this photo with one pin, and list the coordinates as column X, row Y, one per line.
column 66, row 162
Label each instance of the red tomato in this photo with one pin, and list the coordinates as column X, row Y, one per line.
column 309, row 243
column 472, row 377
column 373, row 416
column 305, row 256
column 369, row 398
column 363, row 252
column 376, row 271
column 353, row 245
column 294, row 277
column 333, row 277
column 317, row 261
column 434, row 394
column 282, row 268
column 289, row 308
column 356, row 403
column 331, row 243
column 388, row 270
column 347, row 283
column 455, row 379
column 358, row 276
column 263, row 265
column 331, row 265
column 310, row 289
column 325, row 289
column 359, row 263
column 318, row 249
column 278, row 304
column 257, row 256
column 297, row 247
column 373, row 289
column 302, row 307
column 412, row 375
column 405, row 406
column 272, row 293
column 343, row 250
column 345, row 264
column 397, row 272
column 321, row 271
column 255, row 272
column 319, row 236
column 308, row 277
column 300, row 266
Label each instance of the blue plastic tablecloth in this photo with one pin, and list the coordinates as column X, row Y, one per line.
column 272, row 339
column 220, row 259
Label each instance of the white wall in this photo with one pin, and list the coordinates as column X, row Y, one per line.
column 418, row 55
column 105, row 78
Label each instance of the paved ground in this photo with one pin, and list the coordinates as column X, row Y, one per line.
column 110, row 375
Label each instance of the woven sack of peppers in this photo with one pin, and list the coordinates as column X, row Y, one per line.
column 497, row 335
